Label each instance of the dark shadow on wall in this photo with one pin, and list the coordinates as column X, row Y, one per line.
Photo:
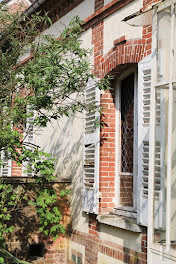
column 26, row 242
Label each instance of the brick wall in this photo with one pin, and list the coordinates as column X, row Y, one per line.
column 93, row 225
column 126, row 190
column 107, row 152
column 27, row 233
column 97, row 42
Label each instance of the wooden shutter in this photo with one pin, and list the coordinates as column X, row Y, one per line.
column 6, row 167
column 91, row 151
column 144, row 93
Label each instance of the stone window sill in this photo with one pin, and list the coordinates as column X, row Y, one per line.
column 122, row 222
column 125, row 211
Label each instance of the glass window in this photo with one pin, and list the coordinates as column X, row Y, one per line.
column 73, row 258
column 127, row 123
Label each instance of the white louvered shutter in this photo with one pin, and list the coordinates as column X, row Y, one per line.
column 6, row 167
column 29, row 137
column 144, row 92
column 91, row 151
column 29, row 126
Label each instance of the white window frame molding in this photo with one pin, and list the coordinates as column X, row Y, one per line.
column 118, row 139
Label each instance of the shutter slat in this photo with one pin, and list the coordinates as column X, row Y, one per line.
column 144, row 98
column 91, row 150
column 6, row 167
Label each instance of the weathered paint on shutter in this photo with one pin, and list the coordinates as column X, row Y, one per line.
column 91, row 151
column 144, row 91
column 6, row 167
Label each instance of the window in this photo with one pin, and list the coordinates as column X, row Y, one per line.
column 76, row 257
column 126, row 105
column 6, row 166
column 127, row 123
column 7, row 170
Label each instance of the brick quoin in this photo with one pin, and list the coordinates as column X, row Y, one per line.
column 97, row 41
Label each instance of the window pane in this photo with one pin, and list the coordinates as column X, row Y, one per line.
column 73, row 258
column 127, row 120
column 164, row 29
column 79, row 260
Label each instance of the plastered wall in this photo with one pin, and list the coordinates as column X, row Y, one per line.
column 107, row 2
column 64, row 140
column 103, row 259
column 114, row 28
column 83, row 10
column 122, row 237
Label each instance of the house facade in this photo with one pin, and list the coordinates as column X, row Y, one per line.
column 122, row 174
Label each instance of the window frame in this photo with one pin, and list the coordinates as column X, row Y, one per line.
column 132, row 70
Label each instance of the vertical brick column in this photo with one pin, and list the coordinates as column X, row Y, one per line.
column 144, row 245
column 147, row 37
column 16, row 170
column 93, row 225
column 98, row 4
column 107, row 152
column 97, row 41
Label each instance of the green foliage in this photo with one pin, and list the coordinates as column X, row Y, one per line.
column 7, row 255
column 52, row 85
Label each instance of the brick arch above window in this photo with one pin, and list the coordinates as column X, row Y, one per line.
column 131, row 51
